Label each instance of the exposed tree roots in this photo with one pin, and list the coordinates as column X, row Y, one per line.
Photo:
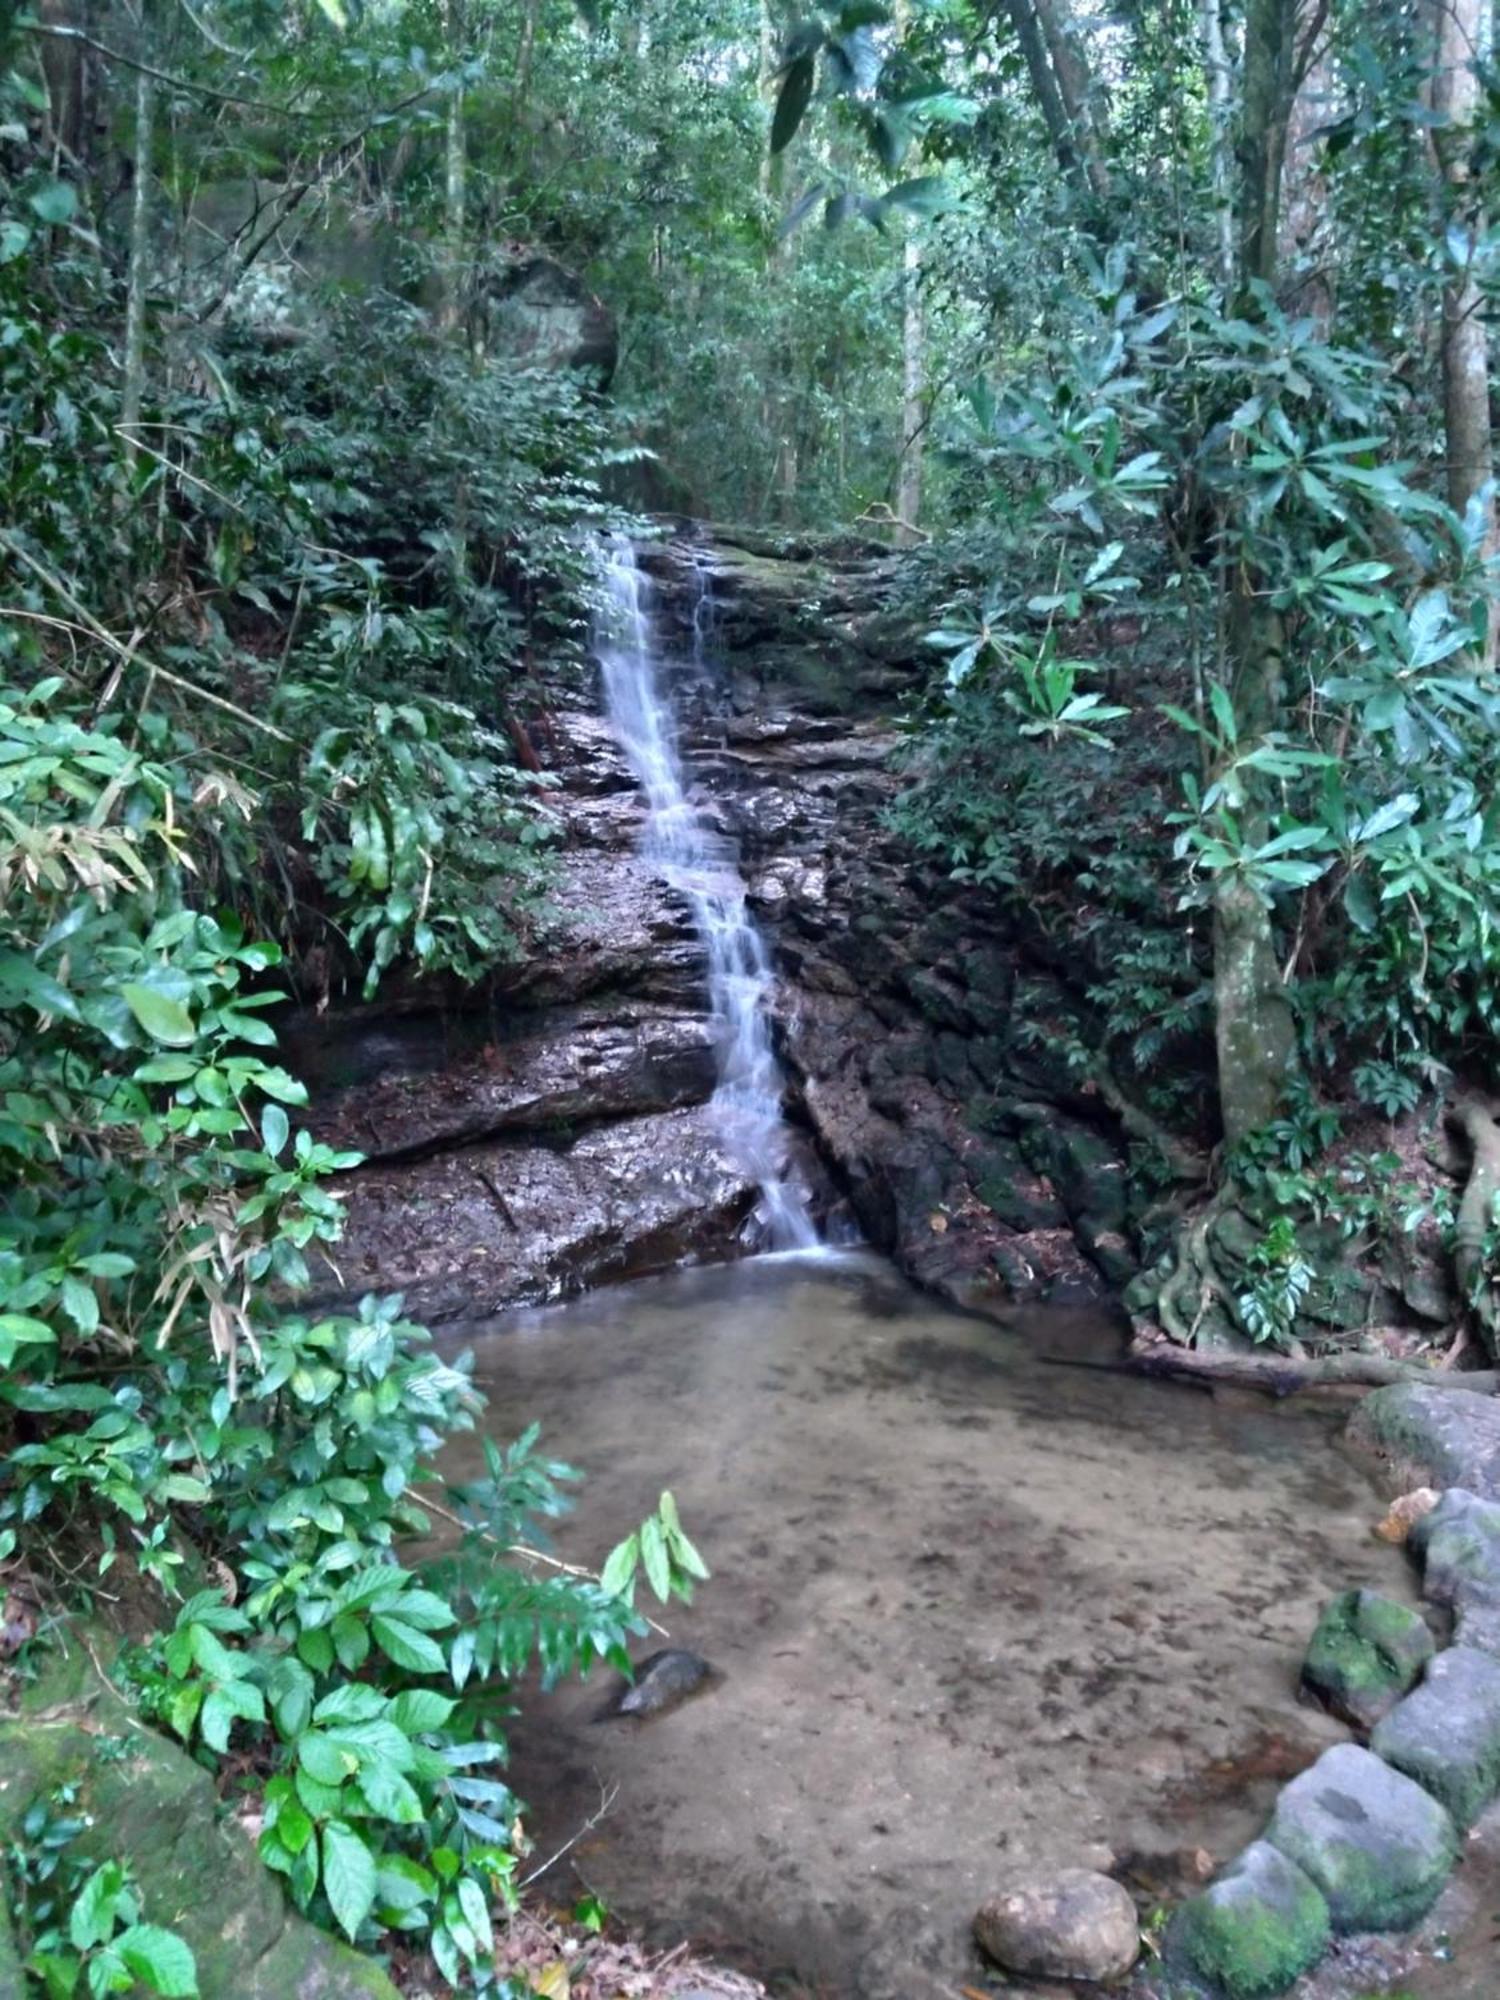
column 1285, row 1374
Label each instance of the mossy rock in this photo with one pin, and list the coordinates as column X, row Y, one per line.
column 147, row 1804
column 1253, row 1932
column 1459, row 1543
column 12, row 1978
column 1446, row 1734
column 1377, row 1846
column 1367, row 1651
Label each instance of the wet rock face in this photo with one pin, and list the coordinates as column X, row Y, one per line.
column 467, row 1233
column 552, row 1133
column 1072, row 1925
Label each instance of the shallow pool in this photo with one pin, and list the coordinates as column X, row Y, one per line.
column 973, row 1611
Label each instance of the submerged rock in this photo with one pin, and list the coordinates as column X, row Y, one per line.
column 1367, row 1652
column 1374, row 1842
column 1446, row 1734
column 661, row 1681
column 1072, row 1925
column 1253, row 1931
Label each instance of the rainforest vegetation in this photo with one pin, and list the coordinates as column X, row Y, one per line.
column 1152, row 338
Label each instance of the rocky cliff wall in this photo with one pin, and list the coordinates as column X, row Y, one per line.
column 554, row 1133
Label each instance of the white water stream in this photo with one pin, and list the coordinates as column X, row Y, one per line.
column 704, row 867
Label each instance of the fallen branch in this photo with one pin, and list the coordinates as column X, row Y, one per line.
column 606, row 1800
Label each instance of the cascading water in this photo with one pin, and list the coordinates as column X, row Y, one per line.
column 704, row 868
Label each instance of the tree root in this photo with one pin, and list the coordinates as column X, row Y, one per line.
column 1285, row 1374
column 1192, row 1285
column 1184, row 1162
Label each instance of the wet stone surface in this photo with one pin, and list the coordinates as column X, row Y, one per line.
column 976, row 1615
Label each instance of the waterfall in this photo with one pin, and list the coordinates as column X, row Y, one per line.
column 704, row 867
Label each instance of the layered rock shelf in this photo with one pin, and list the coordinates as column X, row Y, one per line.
column 554, row 1136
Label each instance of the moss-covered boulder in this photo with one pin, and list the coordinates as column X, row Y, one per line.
column 1252, row 1932
column 1366, row 1653
column 1377, row 1845
column 1446, row 1734
column 145, row 1803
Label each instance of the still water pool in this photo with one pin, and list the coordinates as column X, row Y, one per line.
column 972, row 1611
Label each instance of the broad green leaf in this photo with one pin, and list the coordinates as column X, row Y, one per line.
column 160, row 1960
column 404, row 1646
column 791, row 104
column 348, row 1876
column 164, row 1019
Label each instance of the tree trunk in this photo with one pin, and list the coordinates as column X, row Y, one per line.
column 1253, row 1029
column 455, row 173
column 140, row 250
column 1220, row 98
column 1462, row 48
column 1266, row 92
column 1045, row 34
column 913, row 415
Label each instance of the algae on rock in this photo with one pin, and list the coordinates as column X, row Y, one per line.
column 145, row 1803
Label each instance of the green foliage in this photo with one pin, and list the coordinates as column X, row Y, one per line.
column 82, row 1929
column 425, row 837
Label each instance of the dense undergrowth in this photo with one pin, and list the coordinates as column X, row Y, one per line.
column 1088, row 752
column 264, row 649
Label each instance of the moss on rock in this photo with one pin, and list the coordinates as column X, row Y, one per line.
column 1367, row 1651
column 1373, row 1841
column 1253, row 1931
column 147, row 1804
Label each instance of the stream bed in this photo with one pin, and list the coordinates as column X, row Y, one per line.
column 972, row 1611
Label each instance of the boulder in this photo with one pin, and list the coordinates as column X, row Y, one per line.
column 538, row 314
column 1446, row 1734
column 155, row 1810
column 1372, row 1840
column 1447, row 1437
column 1367, row 1651
column 1072, row 1925
column 1253, row 1931
column 1459, row 1544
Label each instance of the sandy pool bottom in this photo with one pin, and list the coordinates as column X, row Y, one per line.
column 973, row 1612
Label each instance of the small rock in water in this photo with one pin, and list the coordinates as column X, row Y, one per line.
column 1071, row 1925
column 661, row 1681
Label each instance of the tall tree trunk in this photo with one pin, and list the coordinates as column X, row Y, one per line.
column 140, row 248
column 1463, row 39
column 1266, row 91
column 913, row 382
column 1220, row 99
column 1253, row 1029
column 455, row 172
column 1064, row 90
